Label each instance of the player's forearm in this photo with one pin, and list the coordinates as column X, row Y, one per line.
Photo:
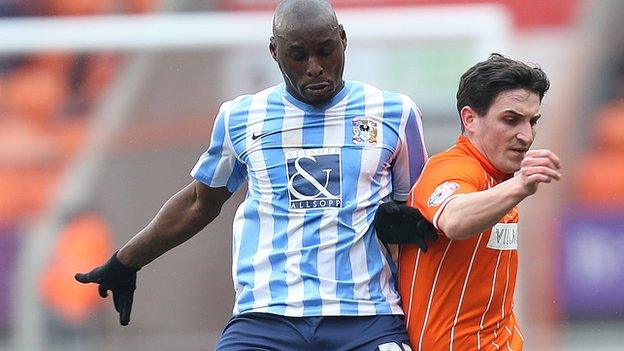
column 470, row 214
column 180, row 218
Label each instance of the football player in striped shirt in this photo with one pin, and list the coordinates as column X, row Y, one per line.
column 459, row 295
column 318, row 155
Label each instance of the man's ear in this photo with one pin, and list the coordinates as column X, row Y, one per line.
column 468, row 118
column 273, row 48
column 343, row 36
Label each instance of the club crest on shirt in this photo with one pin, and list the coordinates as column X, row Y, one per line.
column 441, row 193
column 364, row 131
column 314, row 179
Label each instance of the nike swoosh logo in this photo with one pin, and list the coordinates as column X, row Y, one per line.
column 258, row 136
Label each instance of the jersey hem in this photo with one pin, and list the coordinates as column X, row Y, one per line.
column 314, row 314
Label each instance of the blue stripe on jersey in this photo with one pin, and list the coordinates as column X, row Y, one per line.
column 414, row 142
column 393, row 107
column 313, row 138
column 276, row 165
column 206, row 171
column 249, row 235
column 351, row 159
column 374, row 251
column 393, row 112
column 375, row 264
column 238, row 177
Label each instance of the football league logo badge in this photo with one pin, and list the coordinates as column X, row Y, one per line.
column 441, row 193
column 364, row 131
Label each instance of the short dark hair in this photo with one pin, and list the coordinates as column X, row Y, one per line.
column 481, row 84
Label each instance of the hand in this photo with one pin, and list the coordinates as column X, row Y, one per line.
column 538, row 166
column 402, row 224
column 118, row 278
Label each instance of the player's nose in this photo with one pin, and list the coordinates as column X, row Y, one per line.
column 314, row 67
column 526, row 134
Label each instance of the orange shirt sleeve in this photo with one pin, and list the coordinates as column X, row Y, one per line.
column 443, row 178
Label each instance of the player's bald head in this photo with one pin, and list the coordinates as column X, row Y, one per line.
column 309, row 46
column 293, row 15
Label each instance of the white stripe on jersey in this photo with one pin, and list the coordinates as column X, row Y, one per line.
column 261, row 264
column 333, row 137
column 463, row 293
column 358, row 255
column 237, row 233
column 487, row 308
column 402, row 164
column 237, row 225
column 292, row 139
column 377, row 108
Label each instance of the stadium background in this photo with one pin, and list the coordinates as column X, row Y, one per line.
column 105, row 105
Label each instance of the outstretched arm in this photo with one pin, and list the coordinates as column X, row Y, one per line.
column 181, row 217
column 467, row 215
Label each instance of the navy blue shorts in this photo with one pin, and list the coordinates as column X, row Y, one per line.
column 264, row 332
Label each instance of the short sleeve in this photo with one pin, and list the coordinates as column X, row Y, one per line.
column 442, row 179
column 219, row 166
column 411, row 153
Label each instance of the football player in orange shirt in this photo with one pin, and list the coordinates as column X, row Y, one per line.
column 459, row 295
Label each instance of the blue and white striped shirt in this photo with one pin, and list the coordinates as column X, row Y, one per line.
column 303, row 240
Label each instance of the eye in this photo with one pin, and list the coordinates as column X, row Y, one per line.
column 327, row 51
column 297, row 55
column 534, row 121
column 511, row 121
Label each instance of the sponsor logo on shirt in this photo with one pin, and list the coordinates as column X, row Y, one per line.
column 504, row 236
column 364, row 131
column 314, row 179
column 441, row 193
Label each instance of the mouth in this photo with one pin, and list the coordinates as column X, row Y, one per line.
column 318, row 88
column 519, row 151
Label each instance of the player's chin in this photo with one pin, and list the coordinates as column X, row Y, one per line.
column 511, row 165
column 317, row 99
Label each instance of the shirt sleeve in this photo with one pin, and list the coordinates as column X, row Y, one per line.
column 443, row 179
column 220, row 166
column 411, row 154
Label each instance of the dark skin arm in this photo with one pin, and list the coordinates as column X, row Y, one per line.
column 181, row 217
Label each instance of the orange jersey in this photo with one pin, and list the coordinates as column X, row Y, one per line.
column 459, row 295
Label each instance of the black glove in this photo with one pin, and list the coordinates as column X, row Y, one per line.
column 402, row 224
column 118, row 278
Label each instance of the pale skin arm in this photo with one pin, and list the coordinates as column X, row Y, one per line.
column 468, row 215
column 181, row 217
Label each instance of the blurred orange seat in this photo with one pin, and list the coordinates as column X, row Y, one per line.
column 34, row 145
column 599, row 174
column 84, row 243
column 141, row 6
column 31, row 163
column 609, row 128
column 599, row 179
column 60, row 62
column 99, row 71
column 36, row 93
column 24, row 192
column 80, row 7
